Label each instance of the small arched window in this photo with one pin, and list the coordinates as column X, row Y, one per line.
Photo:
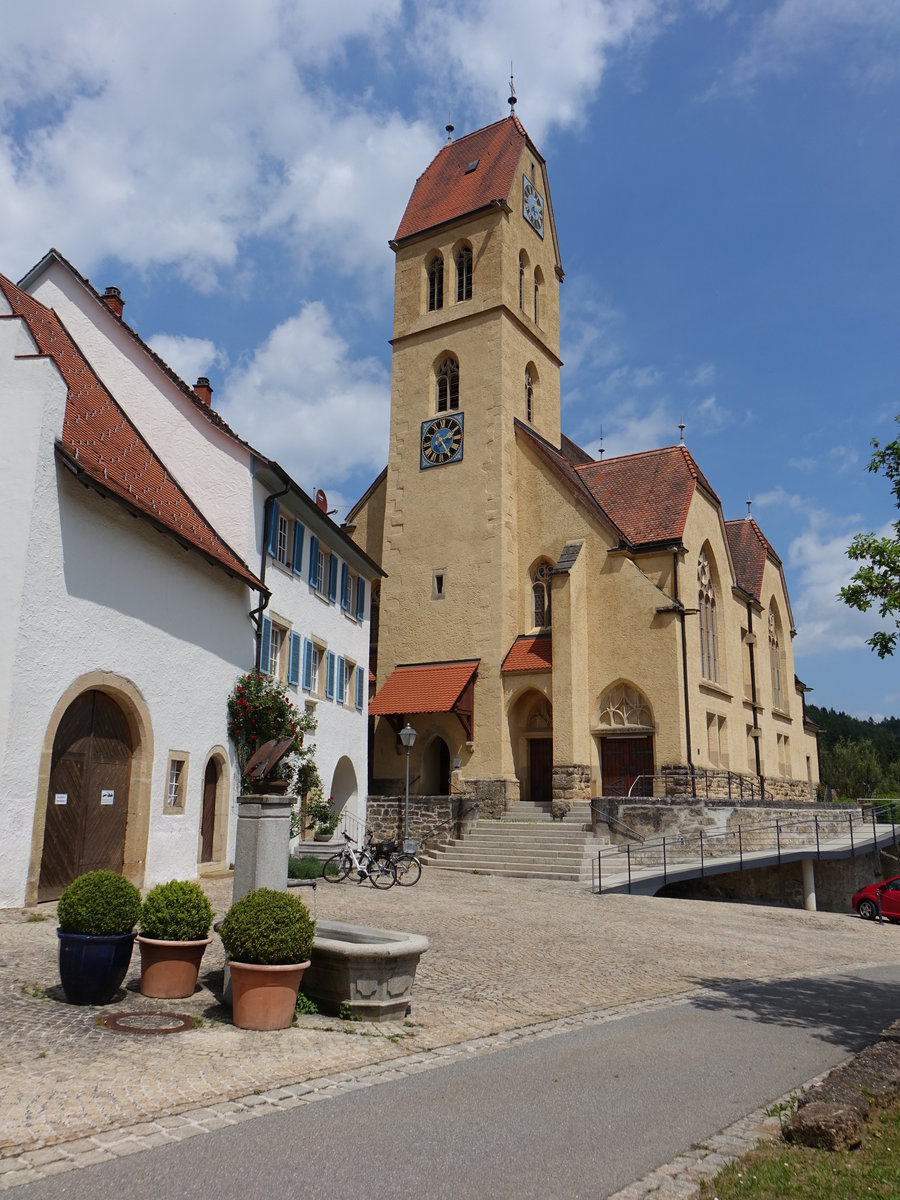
column 464, row 273
column 435, row 283
column 540, row 594
column 448, row 384
column 523, row 263
column 529, row 396
column 538, row 280
column 706, row 599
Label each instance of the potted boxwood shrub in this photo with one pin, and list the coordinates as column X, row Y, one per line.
column 175, row 921
column 268, row 937
column 97, row 914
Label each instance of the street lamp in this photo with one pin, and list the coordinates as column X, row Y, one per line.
column 408, row 738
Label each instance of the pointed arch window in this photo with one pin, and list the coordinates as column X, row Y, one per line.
column 706, row 599
column 529, row 396
column 538, row 281
column 464, row 273
column 448, row 384
column 540, row 594
column 776, row 660
column 435, row 283
column 523, row 262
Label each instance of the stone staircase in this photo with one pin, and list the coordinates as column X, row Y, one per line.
column 525, row 843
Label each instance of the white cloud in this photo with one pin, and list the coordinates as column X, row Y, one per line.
column 305, row 402
column 711, row 415
column 188, row 357
column 559, row 51
column 865, row 35
column 702, row 376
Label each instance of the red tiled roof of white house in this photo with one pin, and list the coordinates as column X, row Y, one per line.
column 101, row 445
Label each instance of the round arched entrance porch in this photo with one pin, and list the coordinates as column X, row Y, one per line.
column 531, row 734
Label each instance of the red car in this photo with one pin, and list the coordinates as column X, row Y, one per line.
column 865, row 902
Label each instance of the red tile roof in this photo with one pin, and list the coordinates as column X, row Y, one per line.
column 648, row 494
column 749, row 549
column 100, row 442
column 445, row 191
column 531, row 652
column 423, row 688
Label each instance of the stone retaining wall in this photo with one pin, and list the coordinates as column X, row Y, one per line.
column 674, row 779
column 433, row 820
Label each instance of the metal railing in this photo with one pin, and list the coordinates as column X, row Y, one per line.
column 738, row 844
column 697, row 783
column 611, row 819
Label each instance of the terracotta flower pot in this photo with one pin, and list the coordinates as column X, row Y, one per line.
column 264, row 997
column 169, row 970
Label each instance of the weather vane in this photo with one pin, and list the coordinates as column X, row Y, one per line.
column 512, row 93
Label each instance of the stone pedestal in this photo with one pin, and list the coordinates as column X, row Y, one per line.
column 262, row 844
column 261, row 851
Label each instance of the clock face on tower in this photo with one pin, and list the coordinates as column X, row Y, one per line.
column 442, row 440
column 532, row 205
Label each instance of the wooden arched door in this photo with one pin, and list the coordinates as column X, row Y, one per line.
column 87, row 802
column 208, row 820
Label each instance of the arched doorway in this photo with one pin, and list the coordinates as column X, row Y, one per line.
column 531, row 732
column 343, row 785
column 87, row 799
column 208, row 819
column 625, row 730
column 436, row 769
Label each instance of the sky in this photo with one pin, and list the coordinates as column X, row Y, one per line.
column 725, row 178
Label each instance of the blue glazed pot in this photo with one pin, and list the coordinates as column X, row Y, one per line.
column 92, row 967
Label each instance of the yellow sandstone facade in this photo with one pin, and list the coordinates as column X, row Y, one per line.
column 553, row 627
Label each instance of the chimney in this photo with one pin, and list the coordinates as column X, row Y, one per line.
column 203, row 391
column 112, row 298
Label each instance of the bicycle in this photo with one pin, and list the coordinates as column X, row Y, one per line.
column 347, row 864
column 407, row 866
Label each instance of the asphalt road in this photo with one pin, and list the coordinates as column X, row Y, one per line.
column 574, row 1115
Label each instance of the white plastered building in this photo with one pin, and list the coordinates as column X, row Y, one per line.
column 142, row 573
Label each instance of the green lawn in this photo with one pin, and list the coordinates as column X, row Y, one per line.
column 777, row 1171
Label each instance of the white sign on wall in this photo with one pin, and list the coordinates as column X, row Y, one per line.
column 61, row 798
column 107, row 796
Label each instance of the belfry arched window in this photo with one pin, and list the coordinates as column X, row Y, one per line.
column 448, row 384
column 523, row 264
column 538, row 280
column 540, row 594
column 706, row 600
column 529, row 395
column 464, row 273
column 435, row 283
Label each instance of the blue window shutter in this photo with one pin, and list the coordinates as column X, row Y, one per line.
column 307, row 664
column 332, row 578
column 313, row 560
column 272, row 536
column 345, row 587
column 297, row 565
column 359, row 687
column 340, row 680
column 294, row 660
column 265, row 636
column 360, row 598
column 329, row 676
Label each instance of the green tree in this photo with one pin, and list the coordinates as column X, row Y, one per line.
column 877, row 581
column 851, row 768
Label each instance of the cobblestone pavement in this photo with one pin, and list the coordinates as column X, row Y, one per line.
column 509, row 959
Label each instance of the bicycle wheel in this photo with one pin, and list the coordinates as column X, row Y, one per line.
column 382, row 873
column 409, row 869
column 337, row 868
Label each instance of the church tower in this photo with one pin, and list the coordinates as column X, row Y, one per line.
column 475, row 349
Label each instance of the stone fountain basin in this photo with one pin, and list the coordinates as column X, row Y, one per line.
column 370, row 971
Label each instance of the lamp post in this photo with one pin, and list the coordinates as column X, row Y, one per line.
column 408, row 738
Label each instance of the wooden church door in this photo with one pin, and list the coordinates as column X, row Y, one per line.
column 627, row 761
column 540, row 769
column 87, row 802
column 208, row 820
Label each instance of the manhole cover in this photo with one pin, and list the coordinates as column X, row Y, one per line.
column 148, row 1022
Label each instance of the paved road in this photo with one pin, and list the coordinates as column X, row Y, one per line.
column 581, row 1113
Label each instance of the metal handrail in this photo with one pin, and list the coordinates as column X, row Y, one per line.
column 739, row 789
column 880, row 814
column 611, row 819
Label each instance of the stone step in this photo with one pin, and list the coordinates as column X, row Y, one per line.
column 537, row 849
column 507, row 872
column 506, row 854
column 516, row 836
